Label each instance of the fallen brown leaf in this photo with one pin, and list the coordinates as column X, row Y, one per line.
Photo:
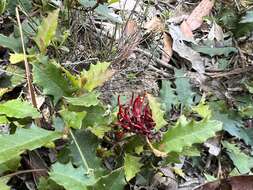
column 195, row 20
column 131, row 28
column 216, row 33
column 167, row 47
column 154, row 25
column 185, row 51
column 232, row 183
column 186, row 30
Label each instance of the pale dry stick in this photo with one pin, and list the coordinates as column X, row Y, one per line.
column 27, row 69
column 231, row 72
column 24, row 172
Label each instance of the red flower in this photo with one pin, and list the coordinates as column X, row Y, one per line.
column 136, row 117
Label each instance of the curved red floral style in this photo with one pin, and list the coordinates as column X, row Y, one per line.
column 136, row 116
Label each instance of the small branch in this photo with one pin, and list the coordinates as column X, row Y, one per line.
column 27, row 69
column 24, row 172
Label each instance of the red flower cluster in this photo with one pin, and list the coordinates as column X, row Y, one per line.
column 136, row 116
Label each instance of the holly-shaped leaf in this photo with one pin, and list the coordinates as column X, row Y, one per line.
column 167, row 95
column 213, row 51
column 132, row 166
column 231, row 121
column 96, row 116
column 114, row 180
column 157, row 113
column 87, row 100
column 96, row 75
column 18, row 109
column 24, row 139
column 73, row 119
column 183, row 88
column 48, row 184
column 51, row 79
column 83, row 151
column 71, row 178
column 203, row 109
column 242, row 162
column 47, row 30
column 100, row 130
column 186, row 133
column 10, row 42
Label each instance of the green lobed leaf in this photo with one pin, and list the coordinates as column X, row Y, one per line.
column 102, row 10
column 47, row 30
column 231, row 121
column 10, row 42
column 213, row 51
column 71, row 178
column 14, row 76
column 24, row 139
column 87, row 100
column 248, row 17
column 3, row 120
column 96, row 75
column 73, row 119
column 3, row 183
column 186, row 133
column 132, row 166
column 52, row 80
column 25, row 4
column 167, row 95
column 183, row 88
column 48, row 184
column 113, row 181
column 96, row 117
column 242, row 162
column 100, row 130
column 87, row 3
column 18, row 57
column 157, row 113
column 11, row 165
column 88, row 143
column 203, row 110
column 2, row 6
column 105, row 12
column 18, row 109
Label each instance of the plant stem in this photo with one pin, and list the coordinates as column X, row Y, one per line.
column 24, row 172
column 27, row 69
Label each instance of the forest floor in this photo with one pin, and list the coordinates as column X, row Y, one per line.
column 128, row 94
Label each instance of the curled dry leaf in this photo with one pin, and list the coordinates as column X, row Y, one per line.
column 167, row 47
column 156, row 152
column 157, row 25
column 232, row 183
column 184, row 51
column 195, row 20
column 216, row 33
